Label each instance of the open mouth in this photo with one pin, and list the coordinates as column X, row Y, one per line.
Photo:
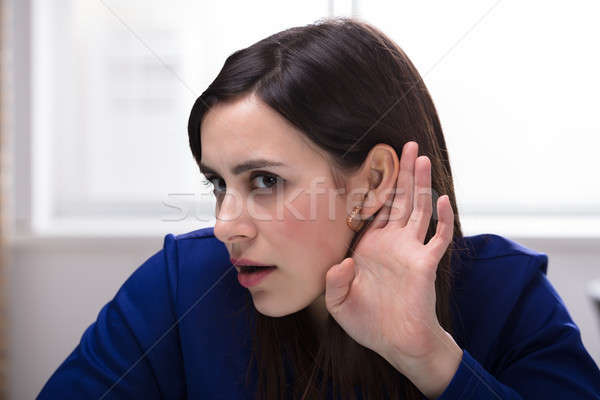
column 248, row 269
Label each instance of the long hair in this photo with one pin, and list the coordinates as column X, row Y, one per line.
column 347, row 87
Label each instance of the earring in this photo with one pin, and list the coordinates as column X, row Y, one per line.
column 351, row 222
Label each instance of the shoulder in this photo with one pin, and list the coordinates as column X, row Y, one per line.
column 192, row 255
column 200, row 245
column 511, row 319
column 200, row 265
column 495, row 268
column 187, row 264
column 199, row 255
column 488, row 246
column 165, row 267
column 495, row 277
column 493, row 264
column 196, row 254
column 489, row 262
column 208, row 299
column 203, row 233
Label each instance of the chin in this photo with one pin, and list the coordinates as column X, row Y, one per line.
column 275, row 310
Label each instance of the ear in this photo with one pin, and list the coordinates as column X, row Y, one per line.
column 376, row 180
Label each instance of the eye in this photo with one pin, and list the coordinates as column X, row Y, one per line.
column 209, row 181
column 268, row 180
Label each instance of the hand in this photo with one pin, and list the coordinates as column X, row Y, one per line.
column 384, row 295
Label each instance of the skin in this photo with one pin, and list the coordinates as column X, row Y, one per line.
column 273, row 227
column 299, row 225
column 384, row 295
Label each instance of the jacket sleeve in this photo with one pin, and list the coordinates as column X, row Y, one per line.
column 541, row 356
column 132, row 350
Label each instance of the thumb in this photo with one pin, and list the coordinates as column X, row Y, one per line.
column 337, row 283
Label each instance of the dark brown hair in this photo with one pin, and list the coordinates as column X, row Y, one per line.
column 347, row 87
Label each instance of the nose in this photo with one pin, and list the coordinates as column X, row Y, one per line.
column 233, row 224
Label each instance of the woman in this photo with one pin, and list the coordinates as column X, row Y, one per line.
column 363, row 285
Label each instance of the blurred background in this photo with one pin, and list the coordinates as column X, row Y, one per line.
column 96, row 168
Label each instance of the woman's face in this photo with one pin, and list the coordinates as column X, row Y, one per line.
column 290, row 215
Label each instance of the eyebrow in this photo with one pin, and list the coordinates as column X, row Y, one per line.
column 245, row 166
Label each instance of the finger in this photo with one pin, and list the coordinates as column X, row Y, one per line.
column 402, row 203
column 421, row 214
column 337, row 284
column 445, row 228
column 382, row 216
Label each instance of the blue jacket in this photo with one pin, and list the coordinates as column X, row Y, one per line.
column 172, row 331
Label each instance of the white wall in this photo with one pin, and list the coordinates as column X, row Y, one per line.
column 57, row 287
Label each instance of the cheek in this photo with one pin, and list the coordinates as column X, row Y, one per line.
column 314, row 230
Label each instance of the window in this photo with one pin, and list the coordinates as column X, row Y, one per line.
column 515, row 85
column 112, row 84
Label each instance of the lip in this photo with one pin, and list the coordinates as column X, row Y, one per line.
column 253, row 279
column 239, row 262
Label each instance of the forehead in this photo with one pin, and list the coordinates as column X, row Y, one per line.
column 248, row 128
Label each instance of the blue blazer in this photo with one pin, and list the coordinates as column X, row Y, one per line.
column 174, row 330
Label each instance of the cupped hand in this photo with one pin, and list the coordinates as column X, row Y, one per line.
column 384, row 295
